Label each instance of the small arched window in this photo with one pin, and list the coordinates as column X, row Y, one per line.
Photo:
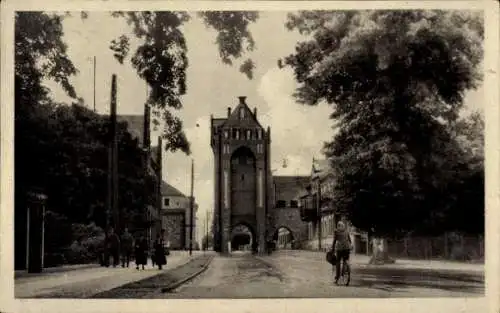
column 242, row 113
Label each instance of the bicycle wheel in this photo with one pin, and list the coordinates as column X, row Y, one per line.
column 346, row 274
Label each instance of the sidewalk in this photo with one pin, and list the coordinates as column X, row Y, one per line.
column 52, row 270
column 362, row 261
column 85, row 282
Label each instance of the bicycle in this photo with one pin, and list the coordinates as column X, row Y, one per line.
column 345, row 273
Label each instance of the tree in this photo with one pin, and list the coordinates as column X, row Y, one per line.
column 161, row 58
column 38, row 55
column 396, row 82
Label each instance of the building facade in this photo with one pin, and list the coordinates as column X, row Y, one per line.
column 175, row 216
column 321, row 224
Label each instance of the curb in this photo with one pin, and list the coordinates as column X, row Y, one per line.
column 190, row 277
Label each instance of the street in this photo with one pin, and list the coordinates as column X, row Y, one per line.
column 300, row 274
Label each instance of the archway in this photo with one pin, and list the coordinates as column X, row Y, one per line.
column 283, row 238
column 242, row 238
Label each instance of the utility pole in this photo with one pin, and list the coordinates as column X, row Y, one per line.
column 191, row 209
column 146, row 155
column 159, row 160
column 318, row 204
column 94, row 79
column 114, row 154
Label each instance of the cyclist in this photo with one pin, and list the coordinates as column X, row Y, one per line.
column 342, row 246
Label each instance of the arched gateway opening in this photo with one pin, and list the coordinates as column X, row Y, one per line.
column 242, row 238
column 283, row 238
column 243, row 199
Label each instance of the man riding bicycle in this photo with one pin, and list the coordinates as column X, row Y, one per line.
column 342, row 246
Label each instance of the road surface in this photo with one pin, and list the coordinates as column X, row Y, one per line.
column 298, row 274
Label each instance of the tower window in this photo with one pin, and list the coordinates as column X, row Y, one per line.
column 242, row 113
column 260, row 148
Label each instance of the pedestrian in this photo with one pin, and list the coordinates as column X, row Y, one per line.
column 126, row 247
column 159, row 250
column 113, row 248
column 141, row 251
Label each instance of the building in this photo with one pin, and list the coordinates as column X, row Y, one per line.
column 320, row 193
column 176, row 217
column 171, row 210
column 242, row 186
column 289, row 229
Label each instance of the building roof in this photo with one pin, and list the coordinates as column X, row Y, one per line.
column 287, row 187
column 169, row 190
column 250, row 120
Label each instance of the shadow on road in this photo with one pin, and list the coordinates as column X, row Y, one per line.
column 388, row 279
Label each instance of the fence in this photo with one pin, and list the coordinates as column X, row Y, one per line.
column 450, row 246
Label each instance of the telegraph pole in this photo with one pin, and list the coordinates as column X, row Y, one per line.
column 94, row 79
column 191, row 204
column 318, row 203
column 114, row 149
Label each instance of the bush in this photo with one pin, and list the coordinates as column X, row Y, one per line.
column 88, row 240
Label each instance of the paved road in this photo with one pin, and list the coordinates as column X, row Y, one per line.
column 85, row 282
column 298, row 275
column 309, row 275
column 238, row 276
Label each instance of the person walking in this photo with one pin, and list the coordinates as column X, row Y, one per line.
column 159, row 250
column 141, row 251
column 113, row 248
column 127, row 242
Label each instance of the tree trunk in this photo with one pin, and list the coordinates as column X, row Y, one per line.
column 380, row 253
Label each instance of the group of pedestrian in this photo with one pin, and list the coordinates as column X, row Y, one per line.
column 123, row 247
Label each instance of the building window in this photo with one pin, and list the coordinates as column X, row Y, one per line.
column 237, row 134
column 294, row 204
column 259, row 134
column 280, row 203
column 166, row 201
column 226, row 134
column 242, row 113
column 259, row 148
column 226, row 149
column 249, row 134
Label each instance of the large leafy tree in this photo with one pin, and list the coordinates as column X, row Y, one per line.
column 396, row 82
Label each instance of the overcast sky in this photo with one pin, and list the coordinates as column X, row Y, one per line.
column 297, row 132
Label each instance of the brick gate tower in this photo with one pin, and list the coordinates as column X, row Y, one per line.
column 242, row 176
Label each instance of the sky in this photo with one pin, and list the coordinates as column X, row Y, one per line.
column 298, row 132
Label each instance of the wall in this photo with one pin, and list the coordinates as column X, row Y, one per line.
column 290, row 218
column 175, row 202
column 174, row 226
